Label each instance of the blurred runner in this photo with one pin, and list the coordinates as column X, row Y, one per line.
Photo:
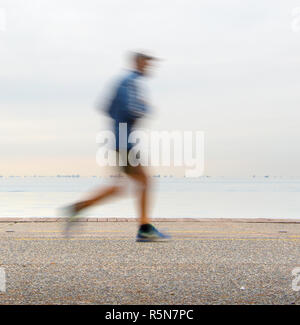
column 127, row 106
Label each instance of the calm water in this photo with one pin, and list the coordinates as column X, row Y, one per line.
column 203, row 198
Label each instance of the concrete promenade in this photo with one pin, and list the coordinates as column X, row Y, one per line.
column 208, row 262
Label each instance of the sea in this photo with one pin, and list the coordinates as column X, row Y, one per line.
column 170, row 197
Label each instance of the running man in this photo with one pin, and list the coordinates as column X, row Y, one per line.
column 127, row 106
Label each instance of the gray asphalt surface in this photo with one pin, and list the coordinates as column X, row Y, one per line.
column 205, row 263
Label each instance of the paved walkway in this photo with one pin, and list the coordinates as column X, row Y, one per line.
column 207, row 262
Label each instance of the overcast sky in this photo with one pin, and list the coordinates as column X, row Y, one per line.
column 231, row 69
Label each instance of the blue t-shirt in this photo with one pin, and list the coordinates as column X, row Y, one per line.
column 127, row 105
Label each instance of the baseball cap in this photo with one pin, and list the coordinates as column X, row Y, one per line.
column 144, row 55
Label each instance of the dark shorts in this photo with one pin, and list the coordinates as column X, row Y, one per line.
column 128, row 168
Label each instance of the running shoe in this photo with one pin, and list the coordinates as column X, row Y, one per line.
column 151, row 234
column 70, row 214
